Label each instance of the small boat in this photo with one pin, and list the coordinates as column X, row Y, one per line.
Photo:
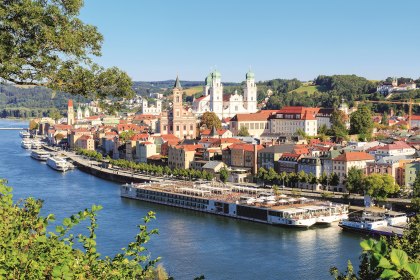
column 36, row 145
column 332, row 213
column 26, row 144
column 24, row 134
column 40, row 155
column 58, row 163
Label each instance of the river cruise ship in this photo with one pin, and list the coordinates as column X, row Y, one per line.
column 58, row 163
column 40, row 155
column 36, row 145
column 24, row 134
column 26, row 144
column 388, row 223
column 245, row 203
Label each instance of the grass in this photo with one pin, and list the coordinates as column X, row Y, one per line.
column 309, row 89
column 193, row 90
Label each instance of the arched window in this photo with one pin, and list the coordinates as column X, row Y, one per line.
column 177, row 99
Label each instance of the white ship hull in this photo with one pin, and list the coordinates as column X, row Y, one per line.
column 40, row 155
column 26, row 145
column 58, row 164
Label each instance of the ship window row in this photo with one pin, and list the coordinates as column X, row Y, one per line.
column 173, row 201
column 275, row 214
column 173, row 196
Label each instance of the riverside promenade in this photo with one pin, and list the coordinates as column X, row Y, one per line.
column 119, row 175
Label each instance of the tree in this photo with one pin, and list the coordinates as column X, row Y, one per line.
column 224, row 174
column 338, row 121
column 354, row 181
column 334, row 179
column 59, row 137
column 210, row 120
column 361, row 122
column 126, row 135
column 415, row 201
column 55, row 114
column 243, row 131
column 30, row 249
column 384, row 120
column 44, row 43
column 380, row 185
column 33, row 125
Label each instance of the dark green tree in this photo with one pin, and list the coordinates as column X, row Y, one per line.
column 224, row 174
column 354, row 180
column 338, row 121
column 361, row 122
column 243, row 131
column 44, row 43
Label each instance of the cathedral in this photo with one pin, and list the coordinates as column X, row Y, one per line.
column 213, row 100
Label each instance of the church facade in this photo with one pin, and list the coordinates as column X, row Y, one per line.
column 178, row 121
column 213, row 99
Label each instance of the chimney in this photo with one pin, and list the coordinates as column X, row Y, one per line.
column 255, row 163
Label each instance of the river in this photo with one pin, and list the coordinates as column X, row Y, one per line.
column 190, row 243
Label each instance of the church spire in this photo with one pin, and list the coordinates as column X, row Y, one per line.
column 177, row 83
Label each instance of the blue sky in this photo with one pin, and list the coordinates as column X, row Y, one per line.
column 156, row 39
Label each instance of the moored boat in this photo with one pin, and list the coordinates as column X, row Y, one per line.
column 40, row 155
column 36, row 145
column 26, row 144
column 58, row 163
column 24, row 134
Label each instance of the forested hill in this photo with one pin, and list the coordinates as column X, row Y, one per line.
column 32, row 102
column 323, row 91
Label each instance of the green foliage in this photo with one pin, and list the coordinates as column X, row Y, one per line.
column 29, row 251
column 126, row 135
column 338, row 120
column 224, row 174
column 243, row 131
column 353, row 181
column 91, row 154
column 380, row 185
column 210, row 120
column 45, row 43
column 361, row 122
column 55, row 114
column 395, row 258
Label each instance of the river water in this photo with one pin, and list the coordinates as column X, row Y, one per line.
column 190, row 243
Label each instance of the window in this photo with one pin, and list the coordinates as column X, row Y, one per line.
column 177, row 99
column 191, row 127
column 177, row 128
column 185, row 127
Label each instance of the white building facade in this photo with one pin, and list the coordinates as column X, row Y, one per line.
column 213, row 99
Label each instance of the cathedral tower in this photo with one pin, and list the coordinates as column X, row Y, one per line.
column 216, row 94
column 250, row 93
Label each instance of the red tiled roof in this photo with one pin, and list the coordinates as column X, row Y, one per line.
column 188, row 147
column 200, row 98
column 290, row 155
column 245, row 147
column 63, row 126
column 84, row 137
column 138, row 137
column 259, row 116
column 354, row 156
column 93, row 118
column 229, row 140
column 70, row 103
column 206, row 132
column 415, row 118
column 395, row 146
column 80, row 130
column 144, row 117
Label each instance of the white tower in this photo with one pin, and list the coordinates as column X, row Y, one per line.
column 79, row 113
column 250, row 93
column 144, row 105
column 216, row 94
column 158, row 106
column 86, row 112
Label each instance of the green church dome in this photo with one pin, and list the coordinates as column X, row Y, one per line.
column 250, row 75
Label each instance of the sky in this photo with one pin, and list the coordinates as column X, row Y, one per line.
column 157, row 40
